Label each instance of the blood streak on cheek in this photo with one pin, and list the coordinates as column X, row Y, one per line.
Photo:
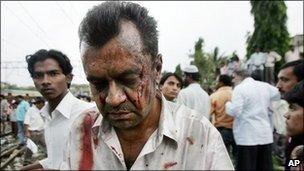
column 86, row 159
column 139, row 95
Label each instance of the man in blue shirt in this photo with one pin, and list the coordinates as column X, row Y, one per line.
column 22, row 108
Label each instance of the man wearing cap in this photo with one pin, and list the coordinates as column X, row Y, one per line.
column 193, row 96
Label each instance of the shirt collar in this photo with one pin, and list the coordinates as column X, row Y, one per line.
column 166, row 122
column 64, row 107
column 167, row 126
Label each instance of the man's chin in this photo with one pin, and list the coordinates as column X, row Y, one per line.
column 123, row 124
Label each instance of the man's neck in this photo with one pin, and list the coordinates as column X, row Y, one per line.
column 54, row 102
column 144, row 130
column 192, row 82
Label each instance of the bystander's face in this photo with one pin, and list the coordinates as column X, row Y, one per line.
column 294, row 120
column 121, row 77
column 50, row 80
column 171, row 88
column 287, row 80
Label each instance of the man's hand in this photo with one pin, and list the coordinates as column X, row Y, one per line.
column 28, row 134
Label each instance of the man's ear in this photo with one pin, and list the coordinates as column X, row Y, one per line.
column 158, row 63
column 69, row 78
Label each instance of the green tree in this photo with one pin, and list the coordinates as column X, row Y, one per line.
column 178, row 70
column 204, row 62
column 270, row 31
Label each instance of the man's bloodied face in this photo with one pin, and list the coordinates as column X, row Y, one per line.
column 121, row 78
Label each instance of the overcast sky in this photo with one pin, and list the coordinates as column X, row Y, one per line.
column 29, row 26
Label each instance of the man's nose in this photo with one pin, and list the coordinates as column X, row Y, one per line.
column 116, row 95
column 46, row 79
column 279, row 84
column 175, row 88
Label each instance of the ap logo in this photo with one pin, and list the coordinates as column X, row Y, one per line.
column 293, row 163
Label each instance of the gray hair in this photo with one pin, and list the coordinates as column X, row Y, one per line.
column 242, row 73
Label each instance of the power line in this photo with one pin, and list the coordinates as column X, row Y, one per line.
column 64, row 12
column 12, row 44
column 72, row 6
column 41, row 29
column 27, row 27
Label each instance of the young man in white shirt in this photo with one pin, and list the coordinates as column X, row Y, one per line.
column 51, row 72
column 34, row 126
column 252, row 125
column 134, row 127
column 193, row 96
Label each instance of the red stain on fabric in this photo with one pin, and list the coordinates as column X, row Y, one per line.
column 86, row 159
column 190, row 140
column 169, row 164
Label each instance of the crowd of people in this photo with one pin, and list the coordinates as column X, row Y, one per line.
column 141, row 120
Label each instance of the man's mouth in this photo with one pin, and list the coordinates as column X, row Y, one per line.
column 48, row 90
column 119, row 115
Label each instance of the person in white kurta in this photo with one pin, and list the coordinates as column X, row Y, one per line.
column 194, row 96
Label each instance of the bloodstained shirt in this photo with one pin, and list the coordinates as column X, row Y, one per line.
column 181, row 142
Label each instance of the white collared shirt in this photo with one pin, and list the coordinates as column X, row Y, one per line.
column 34, row 119
column 195, row 98
column 250, row 108
column 182, row 141
column 58, row 126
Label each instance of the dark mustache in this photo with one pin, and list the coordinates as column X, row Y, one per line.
column 124, row 107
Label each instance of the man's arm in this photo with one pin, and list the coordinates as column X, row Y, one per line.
column 26, row 123
column 235, row 107
column 212, row 109
column 274, row 93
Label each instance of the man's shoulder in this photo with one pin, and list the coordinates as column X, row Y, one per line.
column 91, row 113
column 186, row 116
column 81, row 105
column 193, row 90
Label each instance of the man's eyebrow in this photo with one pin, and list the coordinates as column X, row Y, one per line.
column 94, row 78
column 128, row 72
column 49, row 71
column 117, row 76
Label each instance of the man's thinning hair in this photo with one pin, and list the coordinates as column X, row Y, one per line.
column 242, row 73
column 102, row 23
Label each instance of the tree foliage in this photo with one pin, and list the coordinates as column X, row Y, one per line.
column 178, row 70
column 205, row 62
column 270, row 31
